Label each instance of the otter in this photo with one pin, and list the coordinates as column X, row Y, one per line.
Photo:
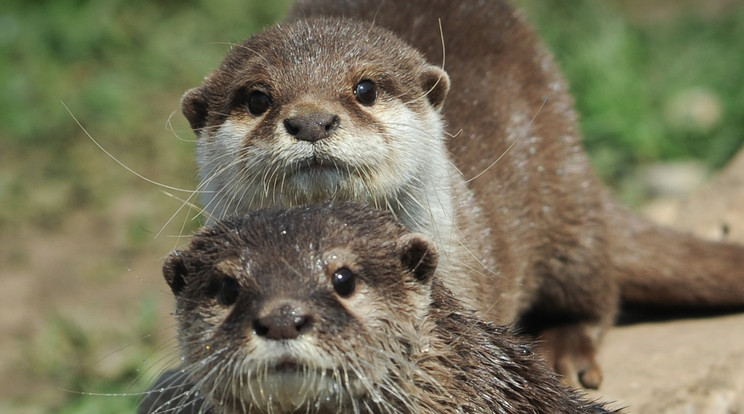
column 337, row 308
column 346, row 101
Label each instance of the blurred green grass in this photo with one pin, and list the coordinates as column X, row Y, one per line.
column 121, row 67
column 652, row 80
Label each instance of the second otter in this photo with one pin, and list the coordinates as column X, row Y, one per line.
column 336, row 308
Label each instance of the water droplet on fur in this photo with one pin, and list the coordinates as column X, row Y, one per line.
column 540, row 168
column 284, row 232
column 533, row 150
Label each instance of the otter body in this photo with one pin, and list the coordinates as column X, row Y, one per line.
column 346, row 101
column 337, row 308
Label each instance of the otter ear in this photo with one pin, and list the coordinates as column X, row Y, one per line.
column 435, row 83
column 194, row 108
column 418, row 255
column 174, row 271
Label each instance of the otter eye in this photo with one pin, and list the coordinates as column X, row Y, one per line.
column 258, row 103
column 228, row 292
column 366, row 92
column 344, row 282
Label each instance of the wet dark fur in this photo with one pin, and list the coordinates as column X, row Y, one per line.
column 550, row 249
column 445, row 360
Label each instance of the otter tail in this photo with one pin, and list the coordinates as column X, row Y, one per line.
column 660, row 267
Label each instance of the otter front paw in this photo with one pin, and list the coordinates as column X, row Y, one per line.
column 571, row 351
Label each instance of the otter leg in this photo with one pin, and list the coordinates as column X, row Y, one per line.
column 572, row 351
column 571, row 308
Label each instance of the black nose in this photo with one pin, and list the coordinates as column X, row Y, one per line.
column 312, row 127
column 285, row 320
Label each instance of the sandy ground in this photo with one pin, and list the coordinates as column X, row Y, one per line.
column 687, row 366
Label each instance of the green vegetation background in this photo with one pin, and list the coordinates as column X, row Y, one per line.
column 651, row 83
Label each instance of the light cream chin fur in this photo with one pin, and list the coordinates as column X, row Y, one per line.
column 404, row 169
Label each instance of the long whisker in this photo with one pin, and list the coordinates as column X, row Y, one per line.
column 126, row 167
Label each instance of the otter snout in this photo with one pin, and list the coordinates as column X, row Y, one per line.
column 313, row 126
column 282, row 320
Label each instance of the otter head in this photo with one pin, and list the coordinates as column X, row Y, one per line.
column 323, row 109
column 311, row 309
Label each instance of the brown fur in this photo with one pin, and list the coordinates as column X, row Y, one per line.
column 400, row 332
column 535, row 238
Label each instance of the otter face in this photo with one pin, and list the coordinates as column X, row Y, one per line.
column 312, row 111
column 306, row 310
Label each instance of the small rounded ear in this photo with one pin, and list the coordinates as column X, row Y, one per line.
column 435, row 83
column 418, row 255
column 194, row 108
column 174, row 272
